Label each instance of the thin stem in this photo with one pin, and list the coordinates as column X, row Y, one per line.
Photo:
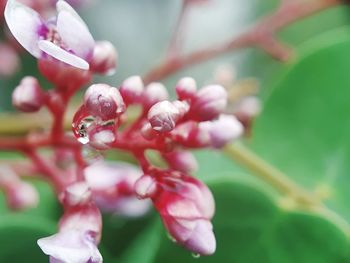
column 261, row 35
column 269, row 174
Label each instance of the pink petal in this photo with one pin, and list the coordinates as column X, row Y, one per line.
column 64, row 6
column 75, row 34
column 62, row 55
column 24, row 23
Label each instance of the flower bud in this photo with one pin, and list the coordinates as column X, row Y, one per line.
column 223, row 130
column 208, row 103
column 103, row 101
column 101, row 137
column 28, row 96
column 154, row 92
column 132, row 89
column 163, row 116
column 77, row 194
column 147, row 132
column 145, row 187
column 22, row 195
column 186, row 207
column 183, row 161
column 104, row 58
column 186, row 88
column 9, row 60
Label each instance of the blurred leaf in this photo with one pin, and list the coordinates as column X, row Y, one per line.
column 250, row 228
column 304, row 129
column 18, row 236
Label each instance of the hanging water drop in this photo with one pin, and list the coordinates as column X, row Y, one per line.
column 196, row 255
column 170, row 237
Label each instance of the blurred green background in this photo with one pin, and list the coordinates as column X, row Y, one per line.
column 304, row 130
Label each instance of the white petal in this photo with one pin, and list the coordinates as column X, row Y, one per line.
column 64, row 6
column 62, row 55
column 24, row 24
column 75, row 34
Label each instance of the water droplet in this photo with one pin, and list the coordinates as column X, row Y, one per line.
column 196, row 255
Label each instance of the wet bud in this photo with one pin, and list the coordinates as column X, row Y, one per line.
column 163, row 116
column 101, row 137
column 181, row 161
column 186, row 213
column 145, row 187
column 223, row 130
column 132, row 89
column 104, row 58
column 28, row 96
column 154, row 92
column 208, row 103
column 186, row 88
column 103, row 101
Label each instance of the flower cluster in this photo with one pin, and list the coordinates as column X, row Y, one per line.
column 194, row 120
column 68, row 56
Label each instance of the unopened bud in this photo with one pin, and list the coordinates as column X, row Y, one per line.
column 154, row 92
column 181, row 161
column 132, row 89
column 209, row 102
column 101, row 137
column 223, row 130
column 104, row 58
column 104, row 101
column 28, row 96
column 186, row 88
column 147, row 132
column 145, row 187
column 77, row 194
column 22, row 196
column 163, row 116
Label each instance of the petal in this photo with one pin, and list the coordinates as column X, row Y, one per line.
column 75, row 34
column 64, row 6
column 24, row 23
column 62, row 55
column 70, row 246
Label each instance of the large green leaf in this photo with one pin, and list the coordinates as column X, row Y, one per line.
column 304, row 129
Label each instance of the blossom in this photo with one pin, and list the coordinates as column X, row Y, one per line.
column 64, row 37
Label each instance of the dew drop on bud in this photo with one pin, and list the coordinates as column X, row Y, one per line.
column 196, row 255
column 171, row 238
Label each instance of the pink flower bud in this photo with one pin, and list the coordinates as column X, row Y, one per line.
column 208, row 103
column 22, row 195
column 145, row 187
column 163, row 116
column 183, row 161
column 186, row 207
column 101, row 137
column 28, row 96
column 182, row 106
column 147, row 132
column 186, row 88
column 9, row 60
column 222, row 130
column 103, row 101
column 132, row 89
column 154, row 92
column 77, row 194
column 104, row 58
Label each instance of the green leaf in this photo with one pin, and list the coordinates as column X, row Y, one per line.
column 304, row 129
column 18, row 236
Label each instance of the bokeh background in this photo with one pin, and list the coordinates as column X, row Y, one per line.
column 304, row 130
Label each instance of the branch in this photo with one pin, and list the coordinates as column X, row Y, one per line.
column 261, row 35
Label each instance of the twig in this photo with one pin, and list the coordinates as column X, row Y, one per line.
column 261, row 35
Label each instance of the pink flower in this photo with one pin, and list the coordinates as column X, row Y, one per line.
column 79, row 229
column 64, row 37
column 186, row 207
column 112, row 185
